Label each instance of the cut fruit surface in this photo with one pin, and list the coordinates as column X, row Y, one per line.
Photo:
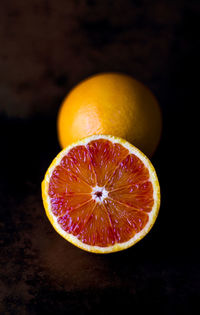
column 101, row 194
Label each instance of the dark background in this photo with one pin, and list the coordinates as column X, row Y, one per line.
column 46, row 47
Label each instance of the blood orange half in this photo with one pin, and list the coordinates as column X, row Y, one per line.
column 101, row 194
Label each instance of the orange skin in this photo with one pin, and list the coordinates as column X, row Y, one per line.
column 111, row 103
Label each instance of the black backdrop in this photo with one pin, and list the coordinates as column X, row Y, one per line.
column 46, row 47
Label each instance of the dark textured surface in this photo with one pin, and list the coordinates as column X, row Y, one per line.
column 45, row 48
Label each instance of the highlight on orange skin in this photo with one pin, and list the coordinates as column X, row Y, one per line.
column 111, row 103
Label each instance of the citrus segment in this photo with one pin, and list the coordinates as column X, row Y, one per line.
column 98, row 231
column 126, row 221
column 60, row 204
column 130, row 171
column 101, row 194
column 74, row 221
column 78, row 162
column 139, row 196
column 105, row 157
column 63, row 181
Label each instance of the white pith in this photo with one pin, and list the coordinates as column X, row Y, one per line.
column 101, row 190
column 118, row 246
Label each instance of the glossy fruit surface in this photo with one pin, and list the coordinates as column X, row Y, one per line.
column 114, row 104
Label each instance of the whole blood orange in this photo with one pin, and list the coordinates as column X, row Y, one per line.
column 111, row 103
column 101, row 194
